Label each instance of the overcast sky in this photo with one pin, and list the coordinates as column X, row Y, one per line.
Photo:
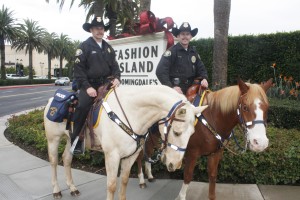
column 246, row 17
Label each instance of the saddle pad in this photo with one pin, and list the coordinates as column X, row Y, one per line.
column 198, row 101
column 97, row 112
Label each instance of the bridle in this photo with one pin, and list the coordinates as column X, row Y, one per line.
column 246, row 124
column 167, row 121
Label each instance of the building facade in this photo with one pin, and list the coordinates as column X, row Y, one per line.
column 39, row 61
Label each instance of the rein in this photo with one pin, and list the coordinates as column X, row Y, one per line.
column 140, row 139
column 121, row 107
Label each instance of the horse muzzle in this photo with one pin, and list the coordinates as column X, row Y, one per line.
column 171, row 166
column 258, row 145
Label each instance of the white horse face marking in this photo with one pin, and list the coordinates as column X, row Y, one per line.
column 257, row 137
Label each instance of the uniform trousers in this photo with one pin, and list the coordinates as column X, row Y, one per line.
column 81, row 112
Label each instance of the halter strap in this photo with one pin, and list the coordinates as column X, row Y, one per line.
column 245, row 125
column 167, row 121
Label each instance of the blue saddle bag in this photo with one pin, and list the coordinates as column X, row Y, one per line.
column 58, row 110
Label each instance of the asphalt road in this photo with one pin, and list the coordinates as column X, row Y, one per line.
column 20, row 98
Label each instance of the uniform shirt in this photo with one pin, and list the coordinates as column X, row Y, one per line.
column 94, row 63
column 177, row 62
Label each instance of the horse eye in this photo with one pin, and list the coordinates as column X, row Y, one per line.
column 177, row 133
column 245, row 108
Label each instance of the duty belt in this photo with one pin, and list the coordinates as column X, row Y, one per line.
column 178, row 81
column 100, row 80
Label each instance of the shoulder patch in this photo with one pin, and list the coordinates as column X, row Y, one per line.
column 78, row 52
column 199, row 56
column 167, row 53
column 108, row 49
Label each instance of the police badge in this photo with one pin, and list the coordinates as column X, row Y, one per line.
column 99, row 19
column 193, row 59
column 185, row 24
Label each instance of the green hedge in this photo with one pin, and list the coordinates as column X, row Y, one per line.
column 8, row 82
column 250, row 57
column 279, row 164
column 284, row 113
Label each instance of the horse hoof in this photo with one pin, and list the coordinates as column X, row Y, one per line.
column 143, row 185
column 75, row 193
column 151, row 180
column 57, row 195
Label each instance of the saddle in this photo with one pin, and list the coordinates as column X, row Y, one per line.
column 94, row 113
column 194, row 93
column 63, row 106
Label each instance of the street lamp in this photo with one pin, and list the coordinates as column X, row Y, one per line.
column 16, row 66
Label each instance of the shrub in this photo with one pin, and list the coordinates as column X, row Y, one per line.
column 279, row 164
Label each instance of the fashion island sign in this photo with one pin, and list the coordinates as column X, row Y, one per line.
column 138, row 57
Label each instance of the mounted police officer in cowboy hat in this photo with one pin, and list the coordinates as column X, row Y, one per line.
column 95, row 62
column 181, row 64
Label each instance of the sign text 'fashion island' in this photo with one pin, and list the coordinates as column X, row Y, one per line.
column 138, row 58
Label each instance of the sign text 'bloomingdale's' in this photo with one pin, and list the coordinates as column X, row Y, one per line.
column 138, row 58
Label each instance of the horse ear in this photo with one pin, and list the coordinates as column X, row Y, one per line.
column 200, row 109
column 243, row 87
column 267, row 85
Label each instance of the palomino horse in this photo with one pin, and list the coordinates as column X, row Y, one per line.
column 143, row 106
column 245, row 104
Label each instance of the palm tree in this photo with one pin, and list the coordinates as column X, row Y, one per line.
column 7, row 34
column 30, row 37
column 51, row 48
column 118, row 12
column 71, row 56
column 64, row 44
column 220, row 54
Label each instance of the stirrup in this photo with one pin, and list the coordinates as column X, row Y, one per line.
column 79, row 150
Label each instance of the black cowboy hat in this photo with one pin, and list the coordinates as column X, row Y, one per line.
column 185, row 26
column 97, row 21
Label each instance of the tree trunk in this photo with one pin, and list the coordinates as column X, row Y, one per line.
column 30, row 64
column 2, row 50
column 99, row 8
column 60, row 65
column 220, row 54
column 49, row 66
column 145, row 5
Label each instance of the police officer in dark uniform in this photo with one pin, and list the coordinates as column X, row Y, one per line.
column 95, row 62
column 180, row 65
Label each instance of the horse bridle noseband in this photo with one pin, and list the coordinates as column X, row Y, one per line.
column 245, row 124
column 167, row 121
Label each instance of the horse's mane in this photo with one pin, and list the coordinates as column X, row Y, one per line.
column 227, row 98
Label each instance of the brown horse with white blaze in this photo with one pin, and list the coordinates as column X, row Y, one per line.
column 244, row 104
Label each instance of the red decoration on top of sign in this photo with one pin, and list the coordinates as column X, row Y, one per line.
column 151, row 24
